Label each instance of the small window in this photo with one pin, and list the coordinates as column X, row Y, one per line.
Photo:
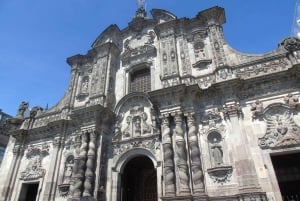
column 140, row 81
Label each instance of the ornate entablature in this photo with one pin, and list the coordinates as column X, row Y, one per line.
column 282, row 131
column 35, row 155
column 135, row 118
column 260, row 68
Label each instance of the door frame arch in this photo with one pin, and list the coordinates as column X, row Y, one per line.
column 118, row 168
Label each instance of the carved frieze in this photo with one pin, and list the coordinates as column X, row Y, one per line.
column 152, row 144
column 282, row 131
column 262, row 68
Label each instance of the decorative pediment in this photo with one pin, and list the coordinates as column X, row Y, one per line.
column 110, row 34
column 282, row 130
column 162, row 16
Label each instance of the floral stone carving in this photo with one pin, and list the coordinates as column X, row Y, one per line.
column 282, row 131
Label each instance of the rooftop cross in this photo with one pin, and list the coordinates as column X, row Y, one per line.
column 140, row 3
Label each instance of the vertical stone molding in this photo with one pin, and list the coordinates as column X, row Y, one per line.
column 75, row 180
column 197, row 173
column 90, row 165
column 169, row 175
column 181, row 155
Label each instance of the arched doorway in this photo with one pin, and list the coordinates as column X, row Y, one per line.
column 139, row 182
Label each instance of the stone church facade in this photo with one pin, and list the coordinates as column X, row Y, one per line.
column 163, row 109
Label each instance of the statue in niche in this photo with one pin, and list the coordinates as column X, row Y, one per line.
column 217, row 154
column 85, row 85
column 216, row 148
column 137, row 125
column 22, row 108
column 146, row 126
column 68, row 169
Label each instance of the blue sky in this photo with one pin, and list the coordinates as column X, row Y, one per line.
column 37, row 36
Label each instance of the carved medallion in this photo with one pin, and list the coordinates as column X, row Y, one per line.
column 282, row 131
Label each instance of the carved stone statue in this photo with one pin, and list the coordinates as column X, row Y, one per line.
column 127, row 130
column 35, row 110
column 137, row 125
column 22, row 108
column 217, row 154
column 85, row 86
column 68, row 170
column 146, row 126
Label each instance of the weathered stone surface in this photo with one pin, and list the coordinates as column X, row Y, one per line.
column 208, row 117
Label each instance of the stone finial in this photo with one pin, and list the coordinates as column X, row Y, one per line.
column 35, row 110
column 291, row 44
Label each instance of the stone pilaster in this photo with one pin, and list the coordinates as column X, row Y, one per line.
column 52, row 170
column 90, row 165
column 197, row 173
column 169, row 174
column 181, row 156
column 18, row 152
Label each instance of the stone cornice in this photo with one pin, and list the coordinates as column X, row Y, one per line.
column 91, row 115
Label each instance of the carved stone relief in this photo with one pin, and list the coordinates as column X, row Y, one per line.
column 134, row 120
column 151, row 144
column 282, row 131
column 35, row 155
column 169, row 57
column 139, row 47
column 137, row 124
column 184, row 56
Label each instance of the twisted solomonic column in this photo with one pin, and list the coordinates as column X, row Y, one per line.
column 169, row 176
column 197, row 174
column 90, row 166
column 181, row 162
column 79, row 166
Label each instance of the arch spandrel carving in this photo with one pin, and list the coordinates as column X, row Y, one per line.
column 282, row 130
